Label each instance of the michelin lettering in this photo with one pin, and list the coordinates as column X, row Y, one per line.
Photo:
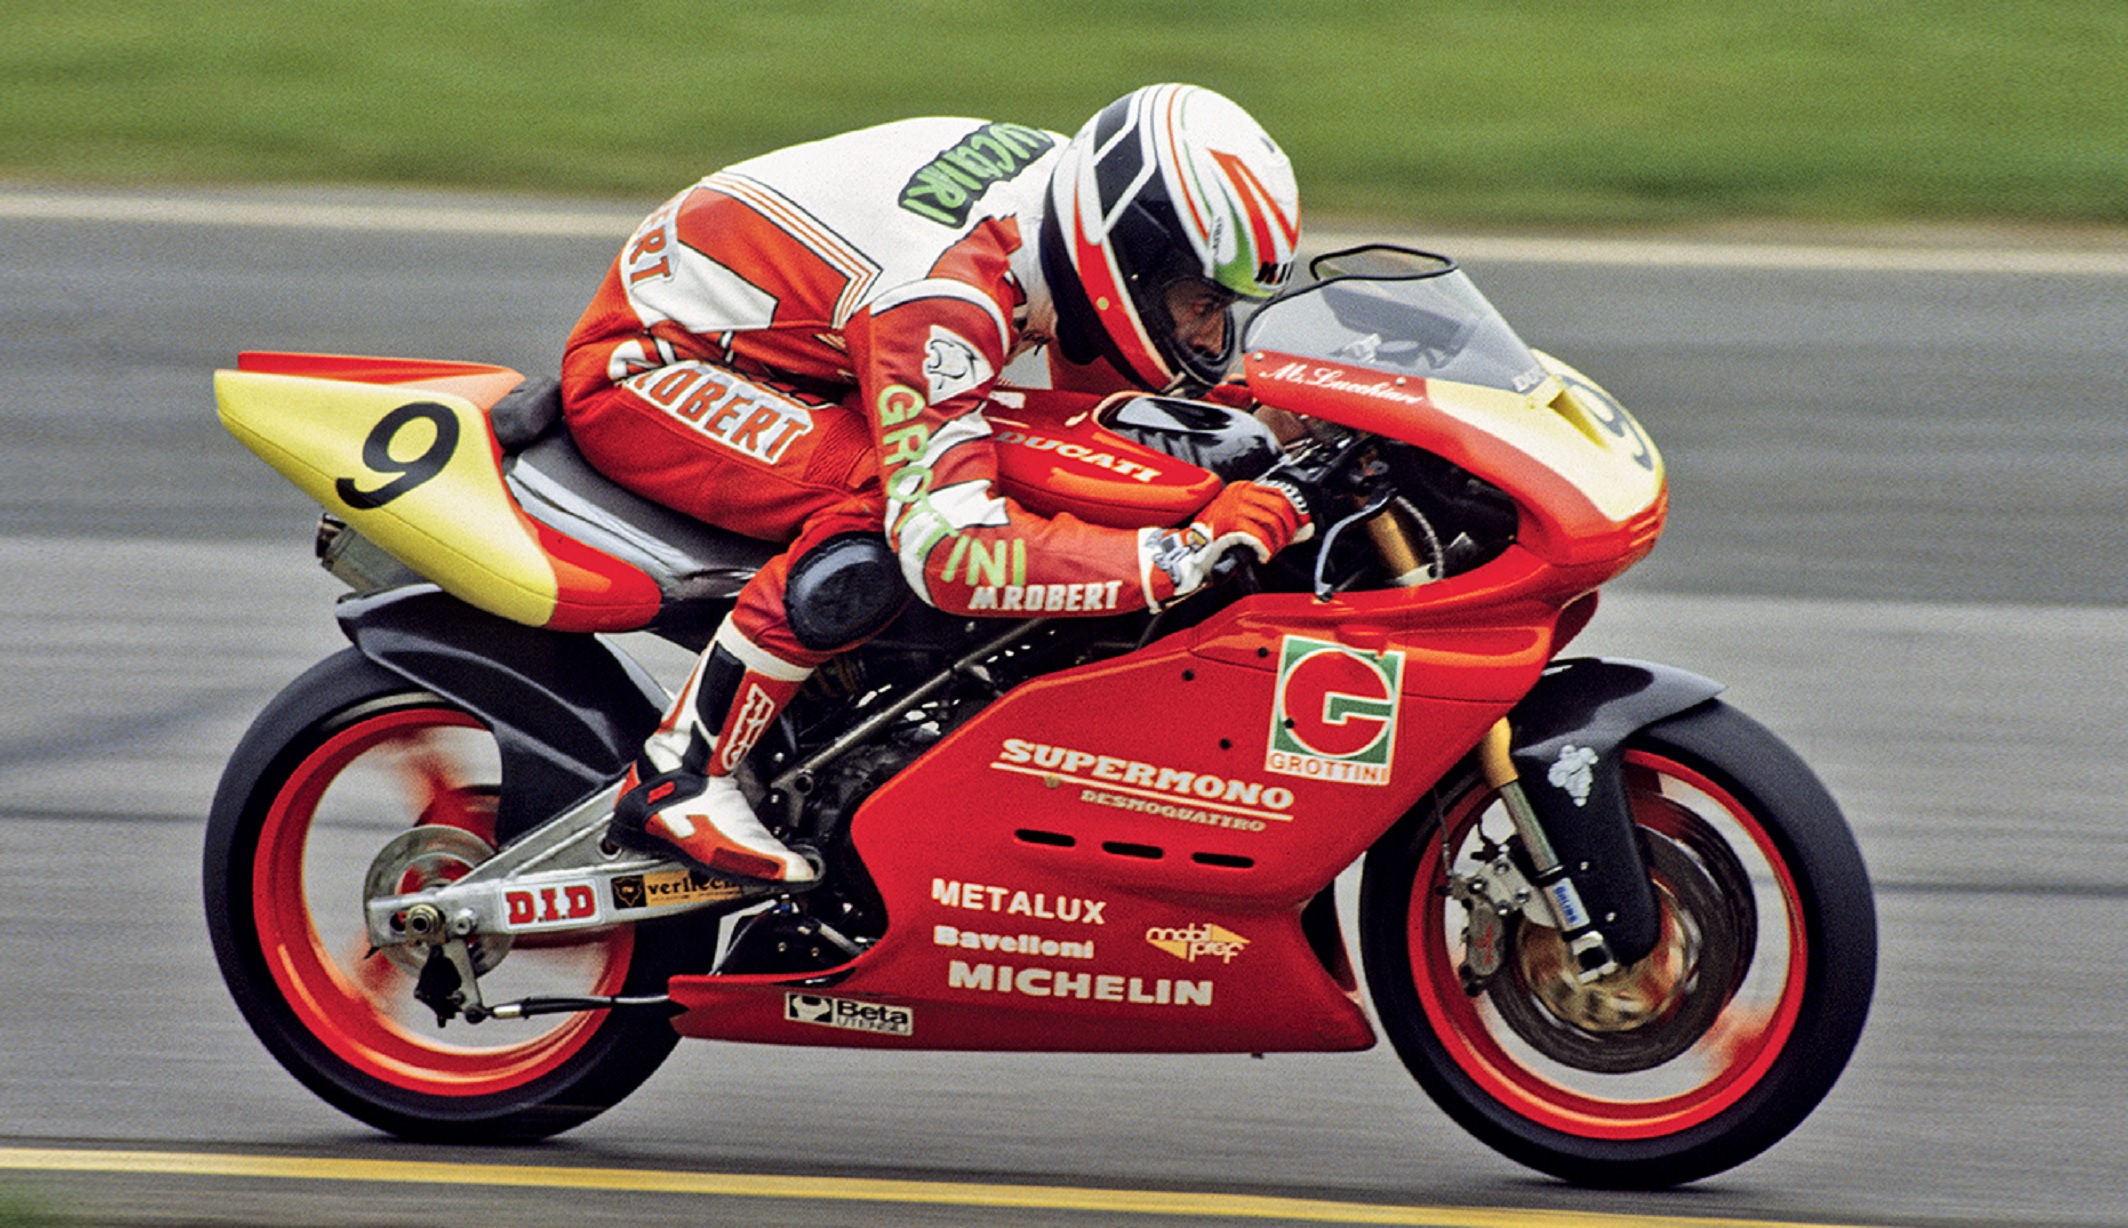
column 1011, row 944
column 1084, row 986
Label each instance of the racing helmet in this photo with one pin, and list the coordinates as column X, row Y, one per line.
column 1169, row 205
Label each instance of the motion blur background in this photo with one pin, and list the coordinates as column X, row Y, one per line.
column 1879, row 378
column 1494, row 112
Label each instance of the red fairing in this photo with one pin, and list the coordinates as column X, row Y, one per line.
column 1054, row 457
column 1060, row 879
column 594, row 590
column 478, row 382
column 1561, row 523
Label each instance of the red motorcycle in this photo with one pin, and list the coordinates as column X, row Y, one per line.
column 1614, row 927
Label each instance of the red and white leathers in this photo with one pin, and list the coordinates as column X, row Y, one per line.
column 801, row 346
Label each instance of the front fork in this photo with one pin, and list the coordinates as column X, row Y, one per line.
column 1547, row 881
column 1557, row 763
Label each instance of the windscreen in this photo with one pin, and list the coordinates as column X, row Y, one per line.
column 1398, row 311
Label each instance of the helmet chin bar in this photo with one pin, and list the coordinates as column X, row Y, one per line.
column 1082, row 336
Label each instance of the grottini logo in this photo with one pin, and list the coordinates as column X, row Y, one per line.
column 1334, row 712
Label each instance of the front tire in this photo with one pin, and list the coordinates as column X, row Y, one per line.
column 347, row 758
column 1700, row 1057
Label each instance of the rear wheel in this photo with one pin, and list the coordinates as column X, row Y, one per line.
column 1697, row 1058
column 354, row 781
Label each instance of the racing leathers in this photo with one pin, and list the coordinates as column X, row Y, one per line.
column 799, row 348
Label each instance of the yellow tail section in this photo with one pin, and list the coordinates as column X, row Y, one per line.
column 414, row 469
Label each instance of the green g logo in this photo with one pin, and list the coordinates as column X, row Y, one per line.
column 1334, row 712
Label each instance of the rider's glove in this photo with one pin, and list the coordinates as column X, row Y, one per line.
column 1234, row 394
column 1261, row 517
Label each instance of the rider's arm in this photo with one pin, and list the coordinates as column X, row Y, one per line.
column 927, row 359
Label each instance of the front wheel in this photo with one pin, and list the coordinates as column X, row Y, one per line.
column 353, row 776
column 1696, row 1059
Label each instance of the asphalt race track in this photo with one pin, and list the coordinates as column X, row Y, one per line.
column 1897, row 534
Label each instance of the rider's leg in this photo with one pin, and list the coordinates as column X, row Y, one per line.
column 836, row 587
column 773, row 462
column 681, row 790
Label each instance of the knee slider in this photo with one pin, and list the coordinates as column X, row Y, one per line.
column 844, row 591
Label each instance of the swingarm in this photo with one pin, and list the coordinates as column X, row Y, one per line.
column 568, row 875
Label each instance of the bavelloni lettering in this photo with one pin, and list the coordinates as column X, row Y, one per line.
column 946, row 188
column 1011, row 944
column 1083, row 986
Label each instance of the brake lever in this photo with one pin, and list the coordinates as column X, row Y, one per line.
column 1368, row 511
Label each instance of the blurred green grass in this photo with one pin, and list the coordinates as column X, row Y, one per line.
column 1498, row 112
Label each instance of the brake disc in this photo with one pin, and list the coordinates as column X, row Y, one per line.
column 1640, row 1017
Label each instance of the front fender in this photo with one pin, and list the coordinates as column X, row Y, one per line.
column 1566, row 737
column 568, row 711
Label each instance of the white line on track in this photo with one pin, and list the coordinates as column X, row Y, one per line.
column 2012, row 257
column 1228, row 1207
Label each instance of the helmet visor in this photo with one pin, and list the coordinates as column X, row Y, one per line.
column 1197, row 318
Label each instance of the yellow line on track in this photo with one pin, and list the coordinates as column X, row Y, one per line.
column 830, row 1189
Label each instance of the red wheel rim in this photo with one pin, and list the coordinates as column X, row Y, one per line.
column 352, row 1003
column 1741, row 1047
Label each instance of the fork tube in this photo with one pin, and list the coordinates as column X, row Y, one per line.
column 1592, row 954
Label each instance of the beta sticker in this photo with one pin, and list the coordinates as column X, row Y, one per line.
column 849, row 1014
column 1334, row 712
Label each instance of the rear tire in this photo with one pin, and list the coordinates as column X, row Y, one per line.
column 349, row 756
column 1699, row 1058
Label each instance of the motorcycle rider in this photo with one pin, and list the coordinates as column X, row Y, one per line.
column 799, row 348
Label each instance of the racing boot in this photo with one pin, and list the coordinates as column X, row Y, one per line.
column 680, row 792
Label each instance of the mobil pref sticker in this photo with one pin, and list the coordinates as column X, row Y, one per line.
column 1334, row 712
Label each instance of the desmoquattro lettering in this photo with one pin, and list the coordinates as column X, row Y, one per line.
column 1169, row 810
column 1084, row 986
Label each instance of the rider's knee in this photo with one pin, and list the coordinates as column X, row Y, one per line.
column 843, row 592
